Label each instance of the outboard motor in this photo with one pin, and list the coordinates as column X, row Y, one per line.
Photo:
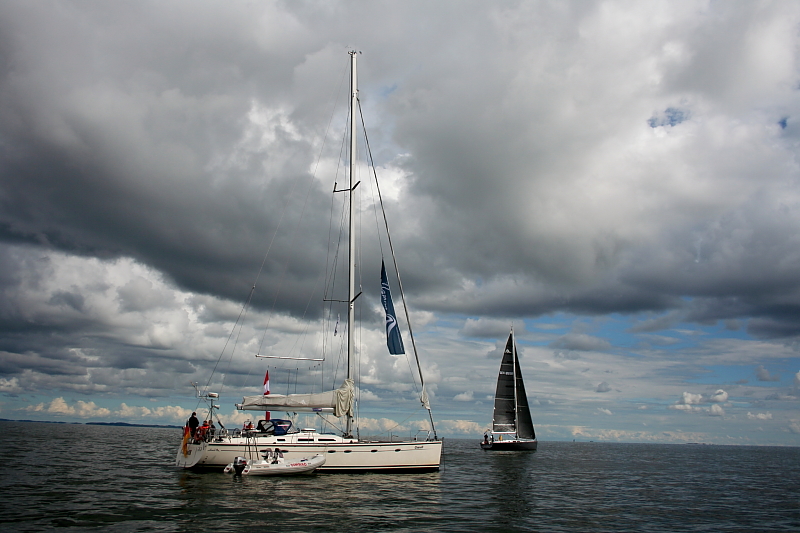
column 238, row 465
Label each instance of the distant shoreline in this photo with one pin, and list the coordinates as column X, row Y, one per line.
column 123, row 424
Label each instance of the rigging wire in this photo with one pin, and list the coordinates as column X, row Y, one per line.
column 302, row 211
column 330, row 283
column 380, row 245
column 330, row 269
column 248, row 301
column 397, row 272
column 239, row 322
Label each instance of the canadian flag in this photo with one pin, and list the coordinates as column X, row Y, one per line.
column 266, row 391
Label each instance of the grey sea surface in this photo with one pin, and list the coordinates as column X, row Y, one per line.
column 120, row 479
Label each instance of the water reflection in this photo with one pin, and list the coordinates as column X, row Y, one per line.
column 513, row 476
column 87, row 478
column 356, row 502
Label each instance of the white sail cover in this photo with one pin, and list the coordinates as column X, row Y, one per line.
column 340, row 400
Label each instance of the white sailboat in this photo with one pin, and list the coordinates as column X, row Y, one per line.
column 344, row 451
column 512, row 427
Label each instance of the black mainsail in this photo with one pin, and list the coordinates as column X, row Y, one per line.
column 512, row 427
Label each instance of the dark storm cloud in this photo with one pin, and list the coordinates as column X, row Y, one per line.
column 490, row 328
column 135, row 143
column 579, row 158
column 179, row 152
column 581, row 342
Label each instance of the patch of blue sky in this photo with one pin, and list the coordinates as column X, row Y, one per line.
column 672, row 116
column 780, row 372
column 618, row 330
column 447, row 322
column 558, row 323
column 684, row 335
column 615, row 329
column 699, row 332
column 643, row 402
column 387, row 90
column 725, row 375
column 776, row 373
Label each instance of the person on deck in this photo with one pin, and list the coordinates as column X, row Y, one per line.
column 200, row 434
column 276, row 456
column 193, row 423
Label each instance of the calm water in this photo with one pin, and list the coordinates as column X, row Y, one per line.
column 83, row 478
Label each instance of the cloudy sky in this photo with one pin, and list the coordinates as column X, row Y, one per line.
column 618, row 180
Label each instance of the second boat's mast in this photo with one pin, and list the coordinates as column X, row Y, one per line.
column 351, row 290
column 516, row 400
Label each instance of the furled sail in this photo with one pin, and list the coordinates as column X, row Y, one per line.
column 339, row 400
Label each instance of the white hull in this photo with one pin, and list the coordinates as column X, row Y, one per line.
column 341, row 455
column 281, row 467
column 511, row 445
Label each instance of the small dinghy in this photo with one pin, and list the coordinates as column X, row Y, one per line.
column 274, row 464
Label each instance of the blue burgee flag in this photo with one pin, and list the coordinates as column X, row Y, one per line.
column 393, row 339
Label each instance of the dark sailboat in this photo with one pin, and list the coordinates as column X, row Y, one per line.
column 512, row 427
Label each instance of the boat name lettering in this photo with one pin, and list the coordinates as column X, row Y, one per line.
column 507, row 373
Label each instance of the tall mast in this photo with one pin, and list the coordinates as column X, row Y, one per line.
column 351, row 288
column 516, row 400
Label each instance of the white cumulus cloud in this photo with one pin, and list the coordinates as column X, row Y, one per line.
column 10, row 385
column 719, row 396
column 690, row 399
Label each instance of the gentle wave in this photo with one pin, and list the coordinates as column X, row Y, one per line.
column 76, row 477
